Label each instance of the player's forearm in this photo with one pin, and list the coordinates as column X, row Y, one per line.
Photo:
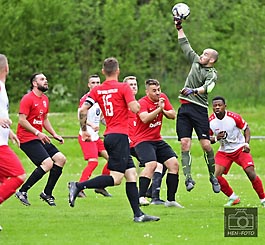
column 83, row 120
column 149, row 117
column 170, row 114
column 247, row 135
column 48, row 127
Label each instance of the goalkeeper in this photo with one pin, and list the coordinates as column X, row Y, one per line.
column 193, row 111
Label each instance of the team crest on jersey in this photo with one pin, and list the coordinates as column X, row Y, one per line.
column 97, row 111
column 44, row 104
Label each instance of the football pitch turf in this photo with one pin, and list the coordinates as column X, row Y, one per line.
column 100, row 220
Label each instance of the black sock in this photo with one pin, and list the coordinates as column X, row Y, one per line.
column 172, row 186
column 98, row 182
column 132, row 195
column 144, row 182
column 54, row 175
column 156, row 184
column 36, row 175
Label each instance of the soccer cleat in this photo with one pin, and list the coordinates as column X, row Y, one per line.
column 232, row 202
column 190, row 183
column 48, row 198
column 22, row 197
column 143, row 201
column 215, row 184
column 263, row 204
column 103, row 192
column 81, row 194
column 145, row 218
column 1, row 228
column 157, row 201
column 73, row 192
column 173, row 204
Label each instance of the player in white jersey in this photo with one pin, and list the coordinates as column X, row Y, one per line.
column 12, row 173
column 226, row 127
column 94, row 148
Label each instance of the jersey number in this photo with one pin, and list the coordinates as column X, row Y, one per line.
column 108, row 105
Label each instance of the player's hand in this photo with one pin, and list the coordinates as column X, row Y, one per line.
column 246, row 148
column 221, row 135
column 5, row 122
column 188, row 91
column 13, row 137
column 59, row 138
column 44, row 138
column 161, row 103
column 86, row 136
column 178, row 22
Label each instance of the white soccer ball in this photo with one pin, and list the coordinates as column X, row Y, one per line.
column 181, row 11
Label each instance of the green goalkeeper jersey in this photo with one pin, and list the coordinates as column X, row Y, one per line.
column 199, row 76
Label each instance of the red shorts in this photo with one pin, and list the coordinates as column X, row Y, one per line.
column 240, row 157
column 91, row 149
column 10, row 165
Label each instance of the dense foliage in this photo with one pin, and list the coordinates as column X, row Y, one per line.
column 69, row 39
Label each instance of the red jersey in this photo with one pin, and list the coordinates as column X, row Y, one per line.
column 113, row 98
column 132, row 124
column 150, row 131
column 36, row 109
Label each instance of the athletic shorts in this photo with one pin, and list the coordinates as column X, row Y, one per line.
column 158, row 151
column 240, row 157
column 117, row 146
column 191, row 116
column 37, row 152
column 91, row 149
column 10, row 165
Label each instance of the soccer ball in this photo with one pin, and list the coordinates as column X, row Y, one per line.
column 181, row 11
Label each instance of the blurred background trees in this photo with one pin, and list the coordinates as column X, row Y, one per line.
column 67, row 40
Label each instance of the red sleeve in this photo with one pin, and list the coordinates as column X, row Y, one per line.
column 240, row 122
column 25, row 105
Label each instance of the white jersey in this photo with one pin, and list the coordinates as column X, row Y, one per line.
column 4, row 132
column 93, row 116
column 233, row 124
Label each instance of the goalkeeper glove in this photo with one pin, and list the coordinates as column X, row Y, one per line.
column 178, row 22
column 188, row 91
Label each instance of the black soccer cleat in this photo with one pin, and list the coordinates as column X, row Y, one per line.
column 73, row 193
column 103, row 192
column 215, row 184
column 145, row 218
column 48, row 198
column 190, row 183
column 22, row 197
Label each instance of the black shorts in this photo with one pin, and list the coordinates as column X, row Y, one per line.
column 37, row 151
column 191, row 116
column 158, row 151
column 117, row 146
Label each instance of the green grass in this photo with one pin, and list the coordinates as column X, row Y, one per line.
column 99, row 220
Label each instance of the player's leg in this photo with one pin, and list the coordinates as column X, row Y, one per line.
column 222, row 166
column 247, row 163
column 59, row 161
column 39, row 156
column 11, row 171
column 184, row 130
column 147, row 156
column 132, row 194
column 156, row 185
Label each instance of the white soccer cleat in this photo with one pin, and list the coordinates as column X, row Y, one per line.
column 173, row 204
column 143, row 201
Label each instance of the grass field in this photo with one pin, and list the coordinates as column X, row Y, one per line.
column 99, row 220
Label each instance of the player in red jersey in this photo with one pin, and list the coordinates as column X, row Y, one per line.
column 94, row 148
column 114, row 99
column 33, row 117
column 149, row 145
column 226, row 127
column 12, row 173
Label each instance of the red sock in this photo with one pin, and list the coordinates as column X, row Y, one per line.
column 9, row 187
column 258, row 187
column 88, row 170
column 225, row 187
column 105, row 170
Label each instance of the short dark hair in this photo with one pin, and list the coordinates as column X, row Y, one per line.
column 32, row 78
column 218, row 98
column 110, row 66
column 93, row 76
column 150, row 82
